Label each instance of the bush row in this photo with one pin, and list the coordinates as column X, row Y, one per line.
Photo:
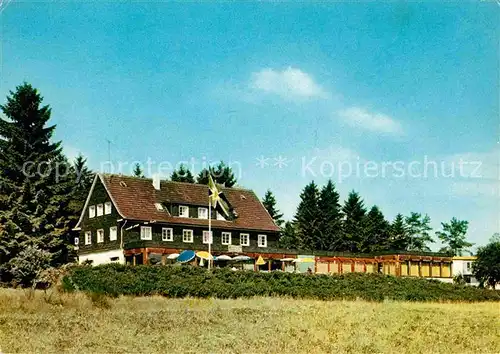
column 182, row 281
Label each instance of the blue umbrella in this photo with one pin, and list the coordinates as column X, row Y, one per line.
column 186, row 256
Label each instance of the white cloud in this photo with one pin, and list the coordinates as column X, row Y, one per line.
column 361, row 118
column 289, row 83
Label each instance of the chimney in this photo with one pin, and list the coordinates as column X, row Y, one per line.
column 156, row 181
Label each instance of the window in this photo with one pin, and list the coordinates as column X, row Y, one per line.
column 468, row 266
column 244, row 239
column 100, row 209
column 100, row 236
column 88, row 238
column 167, row 234
column 146, row 233
column 114, row 259
column 220, row 217
column 187, row 236
column 91, row 211
column 107, row 208
column 202, row 213
column 112, row 233
column 207, row 237
column 226, row 238
column 77, row 241
column 183, row 211
column 262, row 240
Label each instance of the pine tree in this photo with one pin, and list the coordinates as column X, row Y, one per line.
column 182, row 175
column 398, row 240
column 33, row 195
column 417, row 229
column 269, row 203
column 331, row 218
column 354, row 213
column 288, row 238
column 307, row 218
column 222, row 174
column 454, row 237
column 138, row 171
column 376, row 232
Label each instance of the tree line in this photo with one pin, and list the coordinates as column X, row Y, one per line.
column 321, row 222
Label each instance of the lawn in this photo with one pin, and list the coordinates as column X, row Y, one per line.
column 78, row 323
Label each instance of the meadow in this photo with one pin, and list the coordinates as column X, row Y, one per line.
column 75, row 322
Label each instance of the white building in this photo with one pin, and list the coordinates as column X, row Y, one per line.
column 462, row 265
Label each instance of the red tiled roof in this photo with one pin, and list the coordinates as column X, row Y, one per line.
column 135, row 199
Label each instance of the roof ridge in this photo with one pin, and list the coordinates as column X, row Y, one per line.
column 169, row 181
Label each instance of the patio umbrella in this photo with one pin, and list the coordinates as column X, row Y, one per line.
column 287, row 259
column 223, row 258
column 186, row 256
column 204, row 255
column 304, row 260
column 241, row 258
column 173, row 256
column 260, row 261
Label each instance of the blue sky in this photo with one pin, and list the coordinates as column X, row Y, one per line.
column 302, row 88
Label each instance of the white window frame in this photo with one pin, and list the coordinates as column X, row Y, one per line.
column 247, row 243
column 183, row 215
column 146, row 233
column 260, row 238
column 228, row 235
column 187, row 232
column 167, row 234
column 91, row 211
column 113, row 233
column 100, row 210
column 107, row 208
column 205, row 212
column 76, row 241
column 100, row 236
column 88, row 237
column 220, row 217
column 207, row 237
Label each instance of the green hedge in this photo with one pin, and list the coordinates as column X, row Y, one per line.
column 181, row 281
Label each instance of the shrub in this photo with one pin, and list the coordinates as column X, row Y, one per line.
column 115, row 279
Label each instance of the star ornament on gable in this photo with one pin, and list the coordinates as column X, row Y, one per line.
column 217, row 199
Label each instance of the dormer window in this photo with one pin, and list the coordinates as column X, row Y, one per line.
column 202, row 213
column 220, row 217
column 183, row 211
column 92, row 211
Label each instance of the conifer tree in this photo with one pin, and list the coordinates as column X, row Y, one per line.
column 288, row 238
column 331, row 218
column 417, row 229
column 376, row 232
column 398, row 239
column 182, row 175
column 269, row 203
column 33, row 195
column 138, row 171
column 222, row 174
column 307, row 218
column 354, row 213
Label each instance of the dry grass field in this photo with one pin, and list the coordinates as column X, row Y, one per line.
column 79, row 324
